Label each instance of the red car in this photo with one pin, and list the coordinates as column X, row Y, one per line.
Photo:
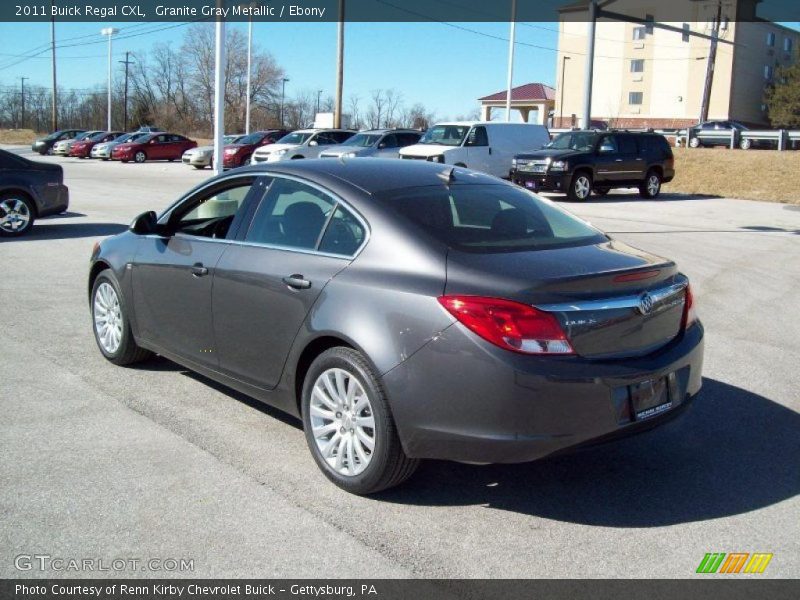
column 83, row 149
column 159, row 146
column 238, row 154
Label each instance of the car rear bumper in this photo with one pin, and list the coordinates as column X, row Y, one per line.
column 52, row 199
column 461, row 398
column 540, row 181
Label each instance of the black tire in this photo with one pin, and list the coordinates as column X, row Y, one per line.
column 128, row 351
column 388, row 465
column 124, row 160
column 20, row 211
column 651, row 187
column 199, row 167
column 140, row 156
column 580, row 187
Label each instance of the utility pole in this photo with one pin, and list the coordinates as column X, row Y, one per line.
column 564, row 60
column 219, row 92
column 22, row 117
column 337, row 108
column 319, row 95
column 283, row 97
column 54, row 115
column 712, row 56
column 511, row 58
column 126, row 62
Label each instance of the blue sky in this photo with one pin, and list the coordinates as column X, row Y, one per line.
column 443, row 67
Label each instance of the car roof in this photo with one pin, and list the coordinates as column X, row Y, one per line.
column 374, row 175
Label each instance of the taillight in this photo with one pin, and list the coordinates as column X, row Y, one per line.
column 509, row 325
column 689, row 313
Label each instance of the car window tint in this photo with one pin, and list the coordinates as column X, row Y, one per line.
column 343, row 235
column 292, row 214
column 389, row 141
column 213, row 216
column 341, row 136
column 608, row 144
column 490, row 218
column 627, row 145
column 409, row 139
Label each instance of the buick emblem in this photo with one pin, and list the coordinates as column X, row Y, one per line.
column 646, row 303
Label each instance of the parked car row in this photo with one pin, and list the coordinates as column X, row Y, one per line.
column 576, row 163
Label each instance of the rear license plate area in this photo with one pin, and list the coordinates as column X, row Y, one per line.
column 650, row 398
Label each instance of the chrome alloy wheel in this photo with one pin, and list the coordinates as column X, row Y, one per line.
column 653, row 184
column 107, row 317
column 342, row 422
column 14, row 215
column 582, row 187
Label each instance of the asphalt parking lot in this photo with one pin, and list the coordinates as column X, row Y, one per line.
column 156, row 462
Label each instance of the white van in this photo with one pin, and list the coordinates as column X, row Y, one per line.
column 486, row 146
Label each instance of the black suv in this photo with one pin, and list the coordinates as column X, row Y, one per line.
column 579, row 162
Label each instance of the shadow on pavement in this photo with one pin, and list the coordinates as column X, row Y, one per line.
column 42, row 230
column 732, row 452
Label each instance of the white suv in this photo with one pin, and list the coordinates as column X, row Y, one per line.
column 304, row 143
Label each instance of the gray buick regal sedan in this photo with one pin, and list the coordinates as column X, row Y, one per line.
column 403, row 310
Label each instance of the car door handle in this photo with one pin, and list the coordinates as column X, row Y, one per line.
column 198, row 270
column 490, row 150
column 618, row 160
column 297, row 282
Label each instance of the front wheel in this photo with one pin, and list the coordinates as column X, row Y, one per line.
column 694, row 142
column 17, row 215
column 112, row 329
column 651, row 186
column 140, row 156
column 581, row 187
column 746, row 144
column 348, row 425
column 199, row 167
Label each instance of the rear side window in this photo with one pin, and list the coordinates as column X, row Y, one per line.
column 344, row 234
column 408, row 139
column 292, row 214
column 490, row 218
column 627, row 145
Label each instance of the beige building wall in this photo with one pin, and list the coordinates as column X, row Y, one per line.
column 672, row 81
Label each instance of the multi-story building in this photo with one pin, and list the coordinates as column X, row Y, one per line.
column 646, row 76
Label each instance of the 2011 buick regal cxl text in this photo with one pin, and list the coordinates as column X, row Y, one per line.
column 403, row 310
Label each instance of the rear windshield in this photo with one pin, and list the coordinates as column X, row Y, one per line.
column 490, row 218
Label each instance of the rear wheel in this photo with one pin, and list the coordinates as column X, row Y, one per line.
column 349, row 427
column 746, row 144
column 17, row 214
column 651, row 186
column 694, row 142
column 199, row 167
column 581, row 186
column 140, row 156
column 112, row 330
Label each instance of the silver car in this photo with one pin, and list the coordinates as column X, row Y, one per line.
column 202, row 156
column 103, row 151
column 378, row 143
column 303, row 143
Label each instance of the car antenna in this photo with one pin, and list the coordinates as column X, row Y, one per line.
column 448, row 176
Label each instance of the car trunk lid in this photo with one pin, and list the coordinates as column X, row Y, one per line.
column 612, row 300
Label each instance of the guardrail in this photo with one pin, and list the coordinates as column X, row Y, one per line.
column 780, row 139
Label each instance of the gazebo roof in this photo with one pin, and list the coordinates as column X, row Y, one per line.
column 530, row 92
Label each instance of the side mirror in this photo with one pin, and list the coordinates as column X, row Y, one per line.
column 145, row 224
column 382, row 145
column 313, row 143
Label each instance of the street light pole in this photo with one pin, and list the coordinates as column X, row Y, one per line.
column 219, row 93
column 249, row 73
column 109, row 31
column 337, row 107
column 54, row 113
column 283, row 96
column 319, row 95
column 511, row 58
column 564, row 60
column 587, row 85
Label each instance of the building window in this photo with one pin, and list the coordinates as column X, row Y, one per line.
column 685, row 35
column 637, row 65
column 767, row 72
column 770, row 39
column 639, row 33
column 635, row 97
column 787, row 44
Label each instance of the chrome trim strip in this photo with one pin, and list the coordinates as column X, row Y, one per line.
column 631, row 301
